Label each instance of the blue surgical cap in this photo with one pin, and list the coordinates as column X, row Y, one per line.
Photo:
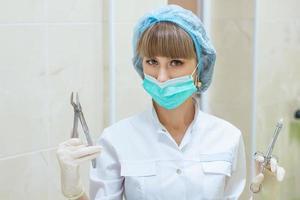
column 189, row 22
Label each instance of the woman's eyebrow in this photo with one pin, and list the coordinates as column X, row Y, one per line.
column 177, row 58
column 150, row 57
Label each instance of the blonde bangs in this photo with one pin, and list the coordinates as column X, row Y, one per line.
column 168, row 40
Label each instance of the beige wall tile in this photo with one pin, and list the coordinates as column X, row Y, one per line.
column 232, row 9
column 278, row 10
column 25, row 177
column 278, row 89
column 74, row 11
column 14, row 11
column 75, row 64
column 23, row 94
column 132, row 10
column 40, row 65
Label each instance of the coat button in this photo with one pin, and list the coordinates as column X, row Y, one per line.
column 178, row 171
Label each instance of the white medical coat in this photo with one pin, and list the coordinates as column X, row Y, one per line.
column 141, row 160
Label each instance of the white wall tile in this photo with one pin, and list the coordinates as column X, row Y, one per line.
column 23, row 103
column 24, row 177
column 74, row 10
column 132, row 10
column 14, row 11
column 75, row 64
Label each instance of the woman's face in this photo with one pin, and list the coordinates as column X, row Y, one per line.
column 164, row 68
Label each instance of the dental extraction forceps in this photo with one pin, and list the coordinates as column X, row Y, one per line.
column 78, row 114
column 268, row 155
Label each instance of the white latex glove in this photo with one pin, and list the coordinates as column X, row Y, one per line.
column 70, row 155
column 272, row 170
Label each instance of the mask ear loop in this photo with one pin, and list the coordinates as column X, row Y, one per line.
column 197, row 81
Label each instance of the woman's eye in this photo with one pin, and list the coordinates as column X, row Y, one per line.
column 151, row 62
column 176, row 63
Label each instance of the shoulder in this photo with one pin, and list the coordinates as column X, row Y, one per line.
column 126, row 127
column 218, row 134
column 218, row 125
column 127, row 135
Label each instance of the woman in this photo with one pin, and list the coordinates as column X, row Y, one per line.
column 172, row 150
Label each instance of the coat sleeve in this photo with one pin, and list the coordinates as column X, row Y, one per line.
column 236, row 183
column 105, row 180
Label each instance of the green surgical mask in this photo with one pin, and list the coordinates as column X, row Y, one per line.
column 171, row 93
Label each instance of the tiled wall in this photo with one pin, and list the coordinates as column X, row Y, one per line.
column 47, row 50
column 278, row 88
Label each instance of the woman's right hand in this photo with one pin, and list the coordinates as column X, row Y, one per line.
column 70, row 155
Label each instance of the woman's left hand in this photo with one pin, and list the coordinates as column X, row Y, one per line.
column 271, row 171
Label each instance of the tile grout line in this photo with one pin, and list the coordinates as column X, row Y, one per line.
column 27, row 153
column 46, row 65
column 46, row 156
column 49, row 23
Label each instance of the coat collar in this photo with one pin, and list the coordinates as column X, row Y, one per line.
column 161, row 129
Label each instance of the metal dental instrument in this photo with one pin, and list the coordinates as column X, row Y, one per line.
column 78, row 114
column 268, row 155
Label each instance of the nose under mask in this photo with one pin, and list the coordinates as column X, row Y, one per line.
column 171, row 93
